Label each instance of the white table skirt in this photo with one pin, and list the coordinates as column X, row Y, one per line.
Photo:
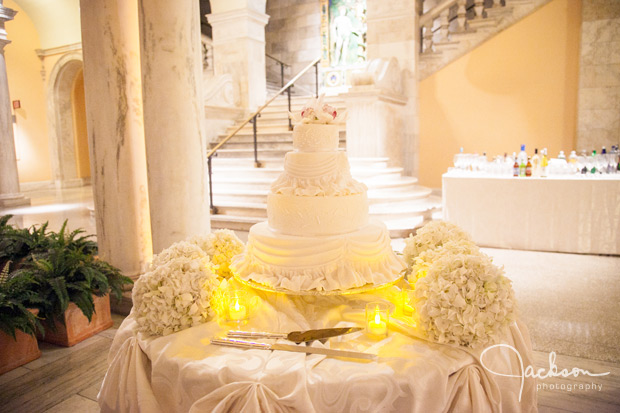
column 563, row 214
column 182, row 372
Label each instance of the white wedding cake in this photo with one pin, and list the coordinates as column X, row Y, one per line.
column 318, row 235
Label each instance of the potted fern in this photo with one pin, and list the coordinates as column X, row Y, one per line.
column 18, row 323
column 71, row 282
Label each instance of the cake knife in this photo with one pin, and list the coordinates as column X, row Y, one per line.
column 296, row 336
column 230, row 342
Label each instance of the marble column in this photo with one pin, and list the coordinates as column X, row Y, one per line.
column 9, row 180
column 374, row 123
column 173, row 112
column 113, row 89
column 239, row 46
column 393, row 31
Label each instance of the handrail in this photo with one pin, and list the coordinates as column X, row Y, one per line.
column 249, row 118
column 436, row 11
column 277, row 60
column 253, row 117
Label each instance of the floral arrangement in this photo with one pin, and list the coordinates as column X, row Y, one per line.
column 420, row 264
column 181, row 288
column 221, row 246
column 176, row 293
column 459, row 295
column 315, row 111
column 464, row 299
column 430, row 236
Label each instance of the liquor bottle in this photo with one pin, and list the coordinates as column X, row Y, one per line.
column 528, row 168
column 522, row 161
column 603, row 165
column 536, row 163
column 572, row 160
column 544, row 163
column 561, row 155
column 515, row 168
column 593, row 165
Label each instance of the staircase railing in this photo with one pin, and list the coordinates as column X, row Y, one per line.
column 282, row 66
column 252, row 119
column 446, row 12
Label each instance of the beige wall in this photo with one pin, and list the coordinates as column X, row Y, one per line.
column 26, row 85
column 599, row 88
column 518, row 87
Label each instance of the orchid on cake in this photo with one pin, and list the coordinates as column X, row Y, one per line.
column 317, row 236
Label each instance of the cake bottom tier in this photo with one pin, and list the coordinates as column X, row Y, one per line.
column 327, row 263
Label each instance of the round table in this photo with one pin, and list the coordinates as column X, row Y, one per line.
column 183, row 372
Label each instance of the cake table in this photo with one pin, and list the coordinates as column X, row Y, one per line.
column 183, row 372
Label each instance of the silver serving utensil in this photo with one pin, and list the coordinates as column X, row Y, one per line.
column 296, row 336
column 230, row 342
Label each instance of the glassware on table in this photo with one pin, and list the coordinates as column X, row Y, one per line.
column 377, row 319
column 238, row 306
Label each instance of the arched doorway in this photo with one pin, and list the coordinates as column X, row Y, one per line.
column 80, row 133
column 67, row 122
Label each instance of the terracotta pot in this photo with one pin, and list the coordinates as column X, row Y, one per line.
column 19, row 351
column 77, row 328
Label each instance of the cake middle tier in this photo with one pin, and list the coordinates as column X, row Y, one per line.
column 340, row 262
column 317, row 215
column 317, row 174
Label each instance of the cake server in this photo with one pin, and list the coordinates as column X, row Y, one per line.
column 231, row 342
column 297, row 336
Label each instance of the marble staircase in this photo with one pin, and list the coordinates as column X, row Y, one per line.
column 240, row 190
column 451, row 28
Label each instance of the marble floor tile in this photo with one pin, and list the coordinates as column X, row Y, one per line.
column 75, row 403
column 92, row 391
column 13, row 374
column 52, row 352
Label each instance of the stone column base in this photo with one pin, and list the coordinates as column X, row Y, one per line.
column 13, row 200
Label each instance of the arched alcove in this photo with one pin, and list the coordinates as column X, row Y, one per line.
column 64, row 129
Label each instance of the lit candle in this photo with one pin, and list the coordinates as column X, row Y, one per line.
column 377, row 326
column 236, row 311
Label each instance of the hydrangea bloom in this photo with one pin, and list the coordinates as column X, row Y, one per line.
column 463, row 299
column 430, row 236
column 220, row 246
column 175, row 294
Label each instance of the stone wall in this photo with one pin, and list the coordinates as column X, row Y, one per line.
column 293, row 35
column 599, row 77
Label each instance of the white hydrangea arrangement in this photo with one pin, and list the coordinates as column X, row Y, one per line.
column 221, row 246
column 464, row 299
column 459, row 295
column 315, row 111
column 430, row 236
column 181, row 287
column 175, row 294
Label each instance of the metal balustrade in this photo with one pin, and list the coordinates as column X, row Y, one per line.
column 254, row 116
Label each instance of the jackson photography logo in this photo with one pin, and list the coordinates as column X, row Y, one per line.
column 530, row 372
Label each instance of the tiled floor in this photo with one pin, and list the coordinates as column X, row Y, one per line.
column 568, row 301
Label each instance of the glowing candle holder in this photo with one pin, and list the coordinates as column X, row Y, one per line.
column 377, row 319
column 404, row 303
column 237, row 306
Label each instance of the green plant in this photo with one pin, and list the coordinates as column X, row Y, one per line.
column 70, row 275
column 16, row 296
column 63, row 266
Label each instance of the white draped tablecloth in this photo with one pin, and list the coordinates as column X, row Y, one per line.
column 577, row 214
column 182, row 372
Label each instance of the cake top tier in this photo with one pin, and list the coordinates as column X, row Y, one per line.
column 315, row 111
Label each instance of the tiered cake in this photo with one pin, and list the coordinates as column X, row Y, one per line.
column 318, row 235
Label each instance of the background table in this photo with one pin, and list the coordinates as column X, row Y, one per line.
column 182, row 372
column 566, row 214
